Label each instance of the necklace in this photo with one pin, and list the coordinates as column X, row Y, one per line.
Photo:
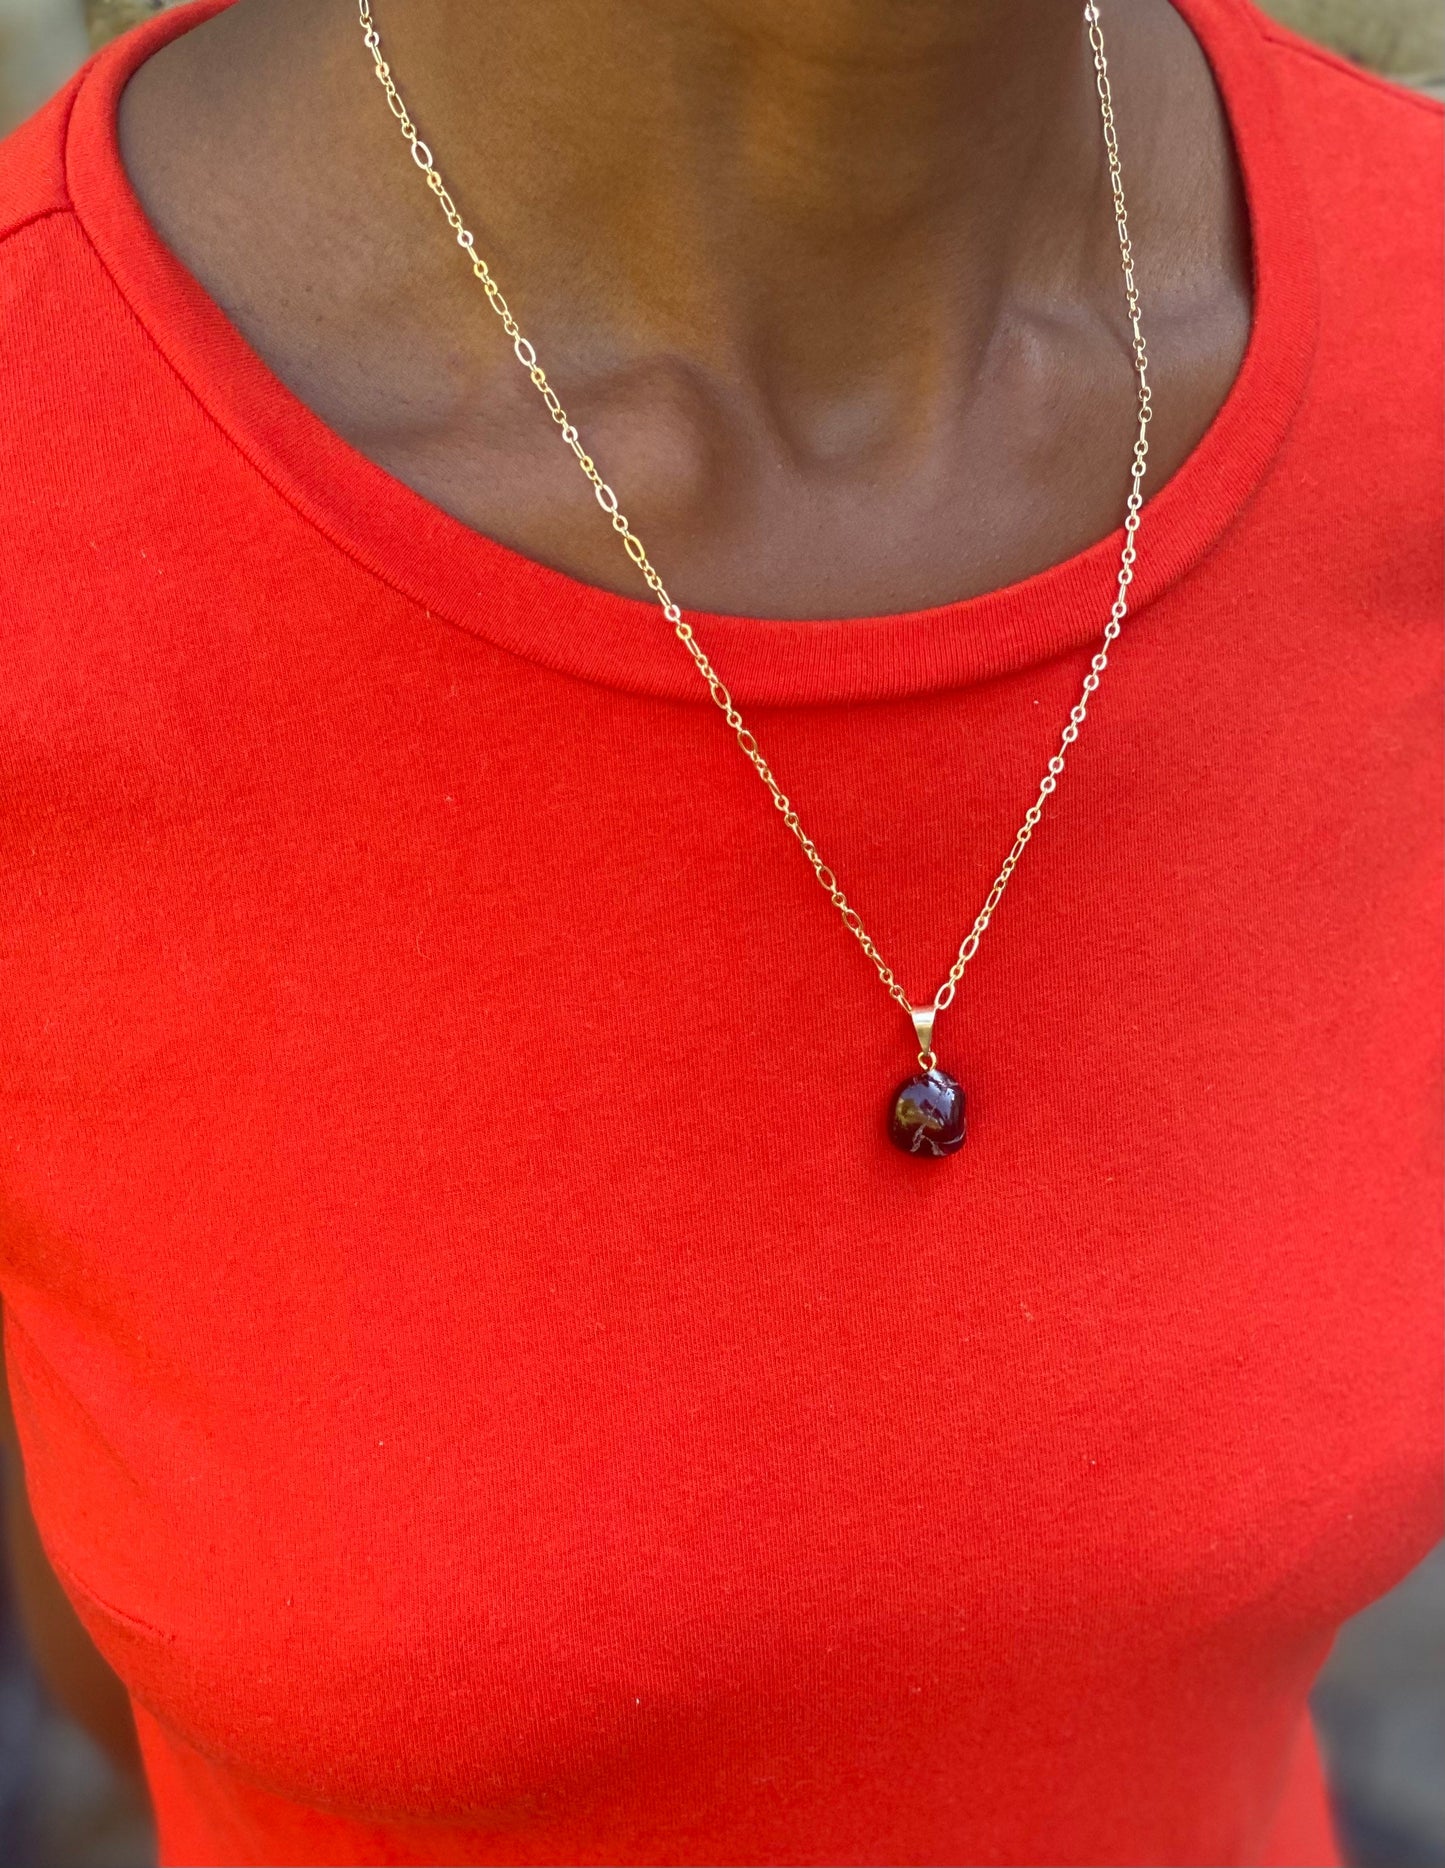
column 926, row 1116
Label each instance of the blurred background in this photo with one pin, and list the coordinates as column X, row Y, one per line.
column 1380, row 1704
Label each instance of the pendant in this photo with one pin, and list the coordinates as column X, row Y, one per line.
column 927, row 1116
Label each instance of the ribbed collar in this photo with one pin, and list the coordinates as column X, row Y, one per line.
column 469, row 580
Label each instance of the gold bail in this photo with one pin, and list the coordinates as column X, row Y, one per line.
column 923, row 1017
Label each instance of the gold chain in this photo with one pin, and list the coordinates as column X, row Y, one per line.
column 607, row 500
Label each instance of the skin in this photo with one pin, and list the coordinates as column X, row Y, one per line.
column 65, row 1656
column 831, row 289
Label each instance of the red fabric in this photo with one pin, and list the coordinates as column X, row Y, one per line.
column 484, row 1376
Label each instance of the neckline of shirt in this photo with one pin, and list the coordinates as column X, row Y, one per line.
column 463, row 578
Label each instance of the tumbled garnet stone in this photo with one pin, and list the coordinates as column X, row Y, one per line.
column 927, row 1115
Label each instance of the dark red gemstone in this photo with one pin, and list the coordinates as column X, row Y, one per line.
column 927, row 1115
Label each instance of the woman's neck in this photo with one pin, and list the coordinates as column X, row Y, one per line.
column 805, row 184
column 832, row 286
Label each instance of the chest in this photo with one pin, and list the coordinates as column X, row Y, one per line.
column 453, row 1238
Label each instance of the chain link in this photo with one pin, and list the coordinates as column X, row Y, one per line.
column 682, row 629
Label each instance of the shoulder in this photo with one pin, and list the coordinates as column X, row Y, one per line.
column 1312, row 66
column 83, row 423
column 32, row 166
column 50, row 281
column 1369, row 149
column 1366, row 156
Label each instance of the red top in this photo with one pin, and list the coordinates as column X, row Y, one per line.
column 487, row 1381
